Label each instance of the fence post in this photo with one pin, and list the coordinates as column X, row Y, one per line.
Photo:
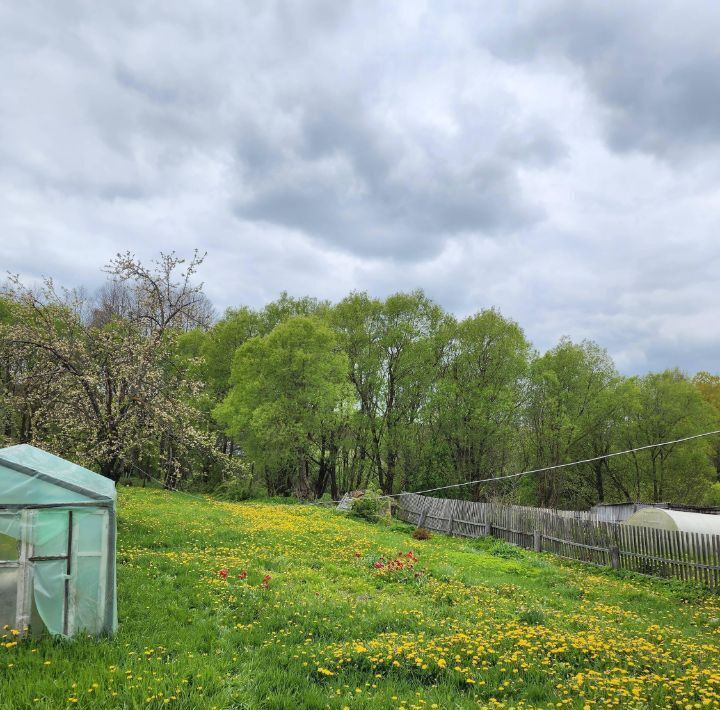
column 615, row 557
column 537, row 541
column 423, row 515
column 487, row 528
column 450, row 525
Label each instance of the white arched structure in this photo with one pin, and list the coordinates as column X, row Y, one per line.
column 666, row 519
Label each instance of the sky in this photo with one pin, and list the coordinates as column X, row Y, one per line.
column 557, row 160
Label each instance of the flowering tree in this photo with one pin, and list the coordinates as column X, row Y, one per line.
column 111, row 388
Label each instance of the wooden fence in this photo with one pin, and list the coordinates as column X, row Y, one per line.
column 576, row 536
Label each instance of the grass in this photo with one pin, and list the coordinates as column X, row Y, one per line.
column 341, row 623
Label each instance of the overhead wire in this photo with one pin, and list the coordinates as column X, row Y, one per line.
column 491, row 479
column 518, row 474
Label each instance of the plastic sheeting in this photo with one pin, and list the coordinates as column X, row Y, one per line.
column 668, row 519
column 57, row 544
column 31, row 475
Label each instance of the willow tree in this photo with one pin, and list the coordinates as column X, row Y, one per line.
column 288, row 399
column 709, row 387
column 573, row 413
column 666, row 406
column 477, row 400
column 393, row 349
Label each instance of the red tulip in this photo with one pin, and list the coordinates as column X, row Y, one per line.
column 223, row 573
column 242, row 574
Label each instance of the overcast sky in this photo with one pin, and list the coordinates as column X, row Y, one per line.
column 557, row 160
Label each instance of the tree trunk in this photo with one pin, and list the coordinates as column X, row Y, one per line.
column 302, row 488
column 332, row 468
column 599, row 481
column 112, row 469
column 390, row 473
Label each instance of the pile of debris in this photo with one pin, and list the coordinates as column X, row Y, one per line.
column 347, row 500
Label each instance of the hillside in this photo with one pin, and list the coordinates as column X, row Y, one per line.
column 322, row 620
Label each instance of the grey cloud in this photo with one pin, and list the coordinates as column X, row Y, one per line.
column 493, row 156
column 654, row 67
column 355, row 183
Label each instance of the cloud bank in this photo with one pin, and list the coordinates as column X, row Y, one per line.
column 557, row 160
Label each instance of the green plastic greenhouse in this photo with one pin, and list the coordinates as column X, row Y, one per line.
column 57, row 545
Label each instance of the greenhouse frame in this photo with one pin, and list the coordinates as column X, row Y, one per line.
column 57, row 545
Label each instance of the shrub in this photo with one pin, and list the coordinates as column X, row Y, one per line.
column 368, row 508
column 713, row 495
column 421, row 534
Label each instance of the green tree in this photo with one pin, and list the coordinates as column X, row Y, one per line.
column 668, row 406
column 709, row 387
column 572, row 413
column 393, row 348
column 288, row 397
column 287, row 307
column 220, row 343
column 478, row 398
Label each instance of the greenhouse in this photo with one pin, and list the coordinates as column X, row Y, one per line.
column 667, row 519
column 57, row 545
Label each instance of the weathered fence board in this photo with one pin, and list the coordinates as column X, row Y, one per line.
column 573, row 535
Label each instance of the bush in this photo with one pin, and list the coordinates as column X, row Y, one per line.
column 713, row 495
column 421, row 534
column 368, row 508
column 503, row 549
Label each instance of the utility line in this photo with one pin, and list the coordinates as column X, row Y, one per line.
column 550, row 468
column 492, row 479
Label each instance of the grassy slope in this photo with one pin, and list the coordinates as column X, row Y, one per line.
column 333, row 631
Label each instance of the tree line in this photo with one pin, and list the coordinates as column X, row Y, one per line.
column 310, row 398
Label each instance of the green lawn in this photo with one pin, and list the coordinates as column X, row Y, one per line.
column 470, row 623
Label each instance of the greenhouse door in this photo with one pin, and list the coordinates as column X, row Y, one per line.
column 52, row 558
column 15, row 576
column 89, row 580
column 70, row 560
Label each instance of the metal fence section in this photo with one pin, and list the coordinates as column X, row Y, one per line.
column 573, row 535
